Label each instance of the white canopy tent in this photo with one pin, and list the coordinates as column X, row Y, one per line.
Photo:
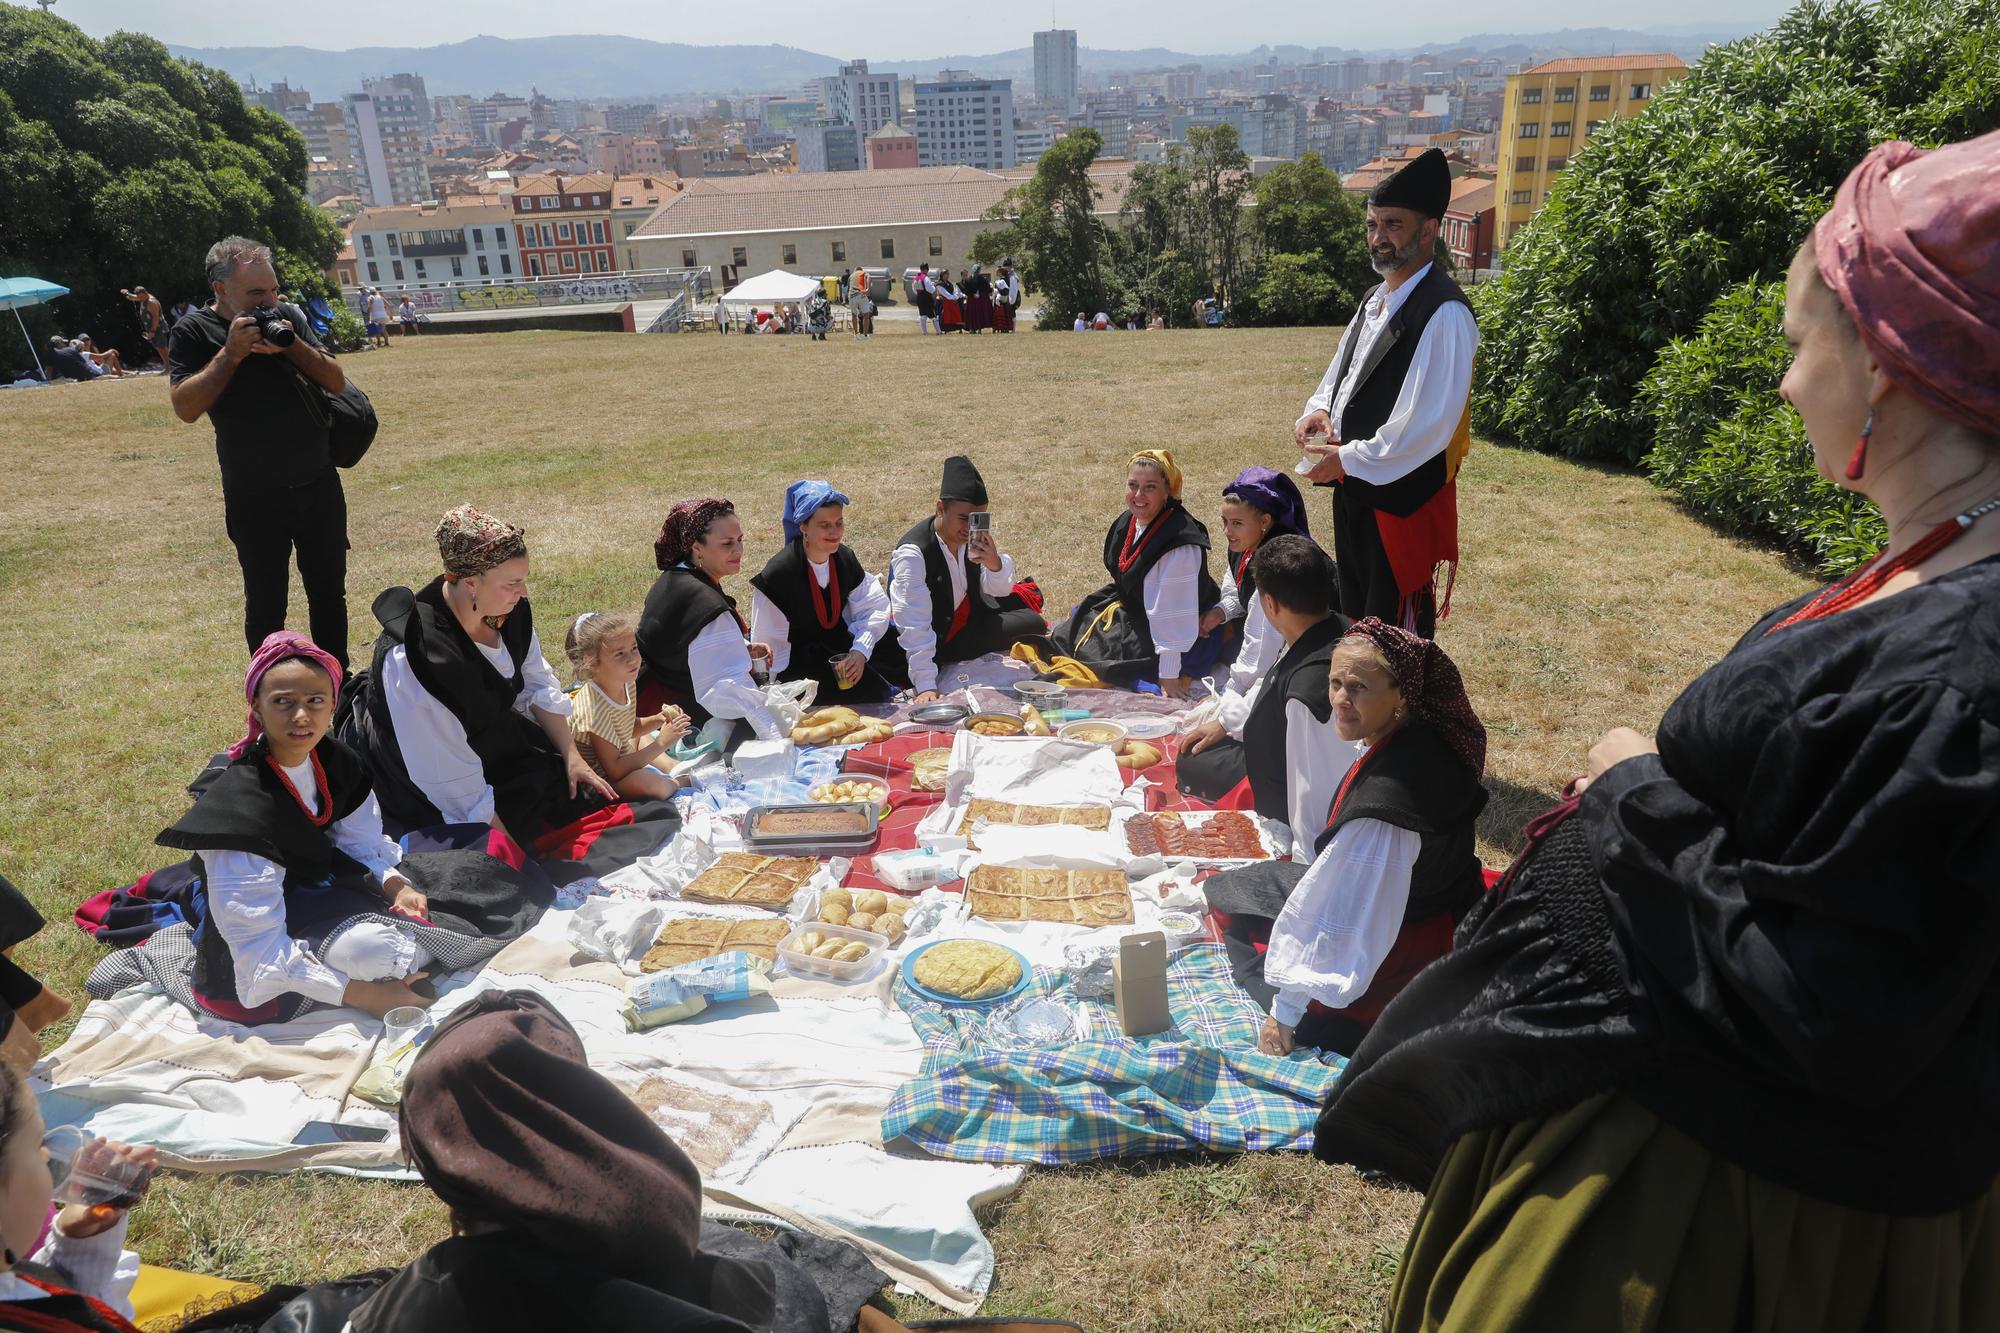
column 769, row 289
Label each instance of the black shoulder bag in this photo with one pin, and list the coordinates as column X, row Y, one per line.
column 348, row 416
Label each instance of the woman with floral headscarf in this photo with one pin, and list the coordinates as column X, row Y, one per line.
column 308, row 902
column 1146, row 623
column 466, row 723
column 819, row 613
column 1395, row 868
column 1719, row 1051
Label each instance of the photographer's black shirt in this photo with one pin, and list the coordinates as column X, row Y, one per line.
column 267, row 435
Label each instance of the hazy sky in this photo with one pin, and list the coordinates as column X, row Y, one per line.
column 893, row 30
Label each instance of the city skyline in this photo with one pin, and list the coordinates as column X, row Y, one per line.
column 904, row 31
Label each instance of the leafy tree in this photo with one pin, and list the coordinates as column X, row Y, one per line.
column 1051, row 226
column 1313, row 238
column 121, row 165
column 1715, row 184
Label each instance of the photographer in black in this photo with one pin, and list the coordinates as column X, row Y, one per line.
column 250, row 365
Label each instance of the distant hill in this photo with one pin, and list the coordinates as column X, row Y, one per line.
column 609, row 67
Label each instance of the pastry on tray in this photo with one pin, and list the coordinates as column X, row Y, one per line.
column 749, row 880
column 1073, row 897
column 691, row 939
column 967, row 969
column 1096, row 817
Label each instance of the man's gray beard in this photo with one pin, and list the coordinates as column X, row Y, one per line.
column 1401, row 259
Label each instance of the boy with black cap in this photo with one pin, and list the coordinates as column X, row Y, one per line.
column 1395, row 408
column 940, row 615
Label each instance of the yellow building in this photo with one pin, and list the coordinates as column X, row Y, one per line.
column 1552, row 110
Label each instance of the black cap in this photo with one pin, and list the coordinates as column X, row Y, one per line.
column 1424, row 186
column 962, row 481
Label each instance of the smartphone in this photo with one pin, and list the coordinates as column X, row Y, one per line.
column 980, row 520
column 318, row 1132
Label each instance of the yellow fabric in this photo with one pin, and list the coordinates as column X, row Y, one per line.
column 165, row 1297
column 1461, row 444
column 1068, row 671
column 591, row 714
column 1605, row 1217
column 1164, row 461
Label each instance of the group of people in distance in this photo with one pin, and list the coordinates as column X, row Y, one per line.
column 1715, row 1052
column 972, row 302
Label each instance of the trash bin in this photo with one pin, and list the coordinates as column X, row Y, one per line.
column 831, row 286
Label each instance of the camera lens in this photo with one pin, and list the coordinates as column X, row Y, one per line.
column 276, row 331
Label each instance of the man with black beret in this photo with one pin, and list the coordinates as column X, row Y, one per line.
column 1394, row 406
column 940, row 614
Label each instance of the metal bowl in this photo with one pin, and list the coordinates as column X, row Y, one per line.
column 1043, row 694
column 1095, row 731
column 940, row 715
column 1011, row 725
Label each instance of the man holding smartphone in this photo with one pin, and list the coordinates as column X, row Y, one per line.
column 940, row 615
column 280, row 491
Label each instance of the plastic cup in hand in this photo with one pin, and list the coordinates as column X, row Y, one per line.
column 836, row 662
column 87, row 1172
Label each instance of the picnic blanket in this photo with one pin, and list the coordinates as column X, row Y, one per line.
column 1201, row 1084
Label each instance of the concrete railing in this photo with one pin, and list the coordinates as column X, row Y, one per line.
column 580, row 289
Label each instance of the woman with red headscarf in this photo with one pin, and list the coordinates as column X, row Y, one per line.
column 1719, row 1052
column 308, row 902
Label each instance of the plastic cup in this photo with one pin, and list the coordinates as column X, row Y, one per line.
column 403, row 1026
column 835, row 662
column 92, row 1179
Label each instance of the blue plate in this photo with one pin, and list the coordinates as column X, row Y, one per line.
column 910, row 977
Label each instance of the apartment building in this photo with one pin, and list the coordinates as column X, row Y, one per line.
column 961, row 120
column 388, row 122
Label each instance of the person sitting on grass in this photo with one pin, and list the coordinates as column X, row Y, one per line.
column 308, row 901
column 64, row 362
column 465, row 722
column 1146, row 623
column 603, row 650
column 694, row 641
column 1395, row 870
column 107, row 361
column 79, row 1279
column 1280, row 737
column 822, row 616
column 570, row 1207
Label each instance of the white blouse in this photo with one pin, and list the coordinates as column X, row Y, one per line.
column 866, row 613
column 1342, row 919
column 910, row 603
column 96, row 1266
column 246, row 898
column 1172, row 597
column 1432, row 400
column 1262, row 646
column 719, row 666
column 432, row 739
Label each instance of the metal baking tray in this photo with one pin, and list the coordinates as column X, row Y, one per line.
column 810, row 844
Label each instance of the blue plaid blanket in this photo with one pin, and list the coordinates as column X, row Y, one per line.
column 1201, row 1084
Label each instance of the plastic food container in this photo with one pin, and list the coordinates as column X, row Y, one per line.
column 786, row 829
column 1003, row 724
column 805, row 965
column 1095, row 730
column 878, row 800
column 1043, row 694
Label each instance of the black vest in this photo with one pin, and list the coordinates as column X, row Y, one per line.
column 937, row 578
column 1300, row 674
column 246, row 807
column 1417, row 783
column 783, row 580
column 682, row 603
column 520, row 764
column 1174, row 528
column 1382, row 382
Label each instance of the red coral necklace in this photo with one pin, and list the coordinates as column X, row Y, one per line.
column 826, row 601
column 320, row 817
column 1865, row 582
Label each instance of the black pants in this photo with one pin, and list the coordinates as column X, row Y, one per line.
column 993, row 634
column 1367, row 584
column 1215, row 772
column 266, row 527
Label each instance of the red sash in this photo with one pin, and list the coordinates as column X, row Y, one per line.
column 1417, row 545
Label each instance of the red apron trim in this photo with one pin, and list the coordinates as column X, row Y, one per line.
column 959, row 616
column 1418, row 544
column 1237, row 798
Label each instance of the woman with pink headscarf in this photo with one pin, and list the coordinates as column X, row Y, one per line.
column 1719, row 1052
column 307, row 901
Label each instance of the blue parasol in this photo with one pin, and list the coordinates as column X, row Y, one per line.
column 15, row 293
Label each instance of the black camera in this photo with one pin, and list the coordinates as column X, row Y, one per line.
column 273, row 327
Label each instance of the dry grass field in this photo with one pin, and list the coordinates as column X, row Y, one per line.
column 1586, row 601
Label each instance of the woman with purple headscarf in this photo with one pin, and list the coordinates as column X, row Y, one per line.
column 1259, row 505
column 1719, row 1050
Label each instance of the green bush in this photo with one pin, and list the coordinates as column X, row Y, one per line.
column 348, row 332
column 1728, row 446
column 1714, row 184
column 120, row 165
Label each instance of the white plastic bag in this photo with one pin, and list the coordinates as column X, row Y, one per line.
column 790, row 700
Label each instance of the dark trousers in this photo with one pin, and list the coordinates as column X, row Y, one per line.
column 1366, row 582
column 993, row 634
column 266, row 527
column 1215, row 772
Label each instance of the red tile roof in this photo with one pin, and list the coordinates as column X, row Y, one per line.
column 1607, row 64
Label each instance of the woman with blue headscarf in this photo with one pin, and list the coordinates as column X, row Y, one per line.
column 822, row 615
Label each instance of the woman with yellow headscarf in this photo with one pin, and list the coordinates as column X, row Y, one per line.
column 1146, row 623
